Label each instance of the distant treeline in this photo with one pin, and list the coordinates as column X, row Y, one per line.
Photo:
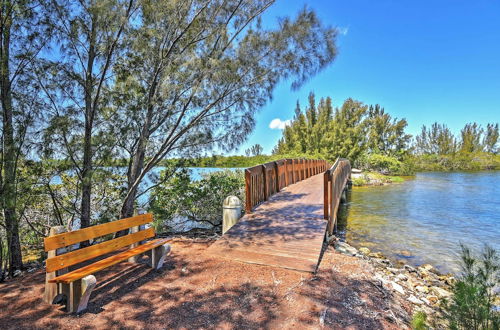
column 366, row 135
column 372, row 138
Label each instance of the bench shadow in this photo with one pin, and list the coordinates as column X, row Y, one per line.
column 117, row 283
column 246, row 306
column 131, row 295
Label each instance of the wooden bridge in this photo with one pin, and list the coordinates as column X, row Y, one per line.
column 291, row 205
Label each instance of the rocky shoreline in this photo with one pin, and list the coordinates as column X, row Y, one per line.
column 424, row 287
column 360, row 178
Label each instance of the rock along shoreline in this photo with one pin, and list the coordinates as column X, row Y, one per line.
column 424, row 287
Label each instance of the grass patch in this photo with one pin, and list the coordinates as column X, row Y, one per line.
column 419, row 320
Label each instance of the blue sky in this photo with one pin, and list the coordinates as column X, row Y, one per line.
column 426, row 61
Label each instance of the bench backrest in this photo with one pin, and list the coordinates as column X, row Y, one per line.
column 73, row 237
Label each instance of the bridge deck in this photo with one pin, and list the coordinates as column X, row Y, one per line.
column 286, row 231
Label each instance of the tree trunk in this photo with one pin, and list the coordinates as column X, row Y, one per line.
column 132, row 175
column 138, row 157
column 9, row 192
column 134, row 172
column 86, row 178
column 87, row 141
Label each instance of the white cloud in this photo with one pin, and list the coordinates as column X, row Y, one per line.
column 279, row 124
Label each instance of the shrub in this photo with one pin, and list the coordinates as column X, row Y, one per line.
column 471, row 306
column 419, row 321
column 384, row 164
column 360, row 181
column 457, row 162
column 198, row 201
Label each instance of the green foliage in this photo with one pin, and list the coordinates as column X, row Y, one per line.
column 438, row 139
column 183, row 91
column 384, row 164
column 437, row 149
column 230, row 161
column 348, row 131
column 360, row 181
column 375, row 178
column 471, row 306
column 220, row 161
column 179, row 197
column 255, row 150
column 386, row 135
column 419, row 321
column 491, row 137
column 456, row 162
column 135, row 81
column 471, row 138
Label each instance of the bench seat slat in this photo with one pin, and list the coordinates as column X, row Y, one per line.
column 77, row 236
column 105, row 263
column 91, row 252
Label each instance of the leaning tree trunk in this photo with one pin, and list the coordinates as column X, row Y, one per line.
column 134, row 172
column 137, row 161
column 137, row 164
column 9, row 192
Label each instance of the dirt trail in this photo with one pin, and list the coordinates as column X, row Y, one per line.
column 196, row 291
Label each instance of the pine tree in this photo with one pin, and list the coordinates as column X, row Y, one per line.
column 471, row 138
column 491, row 138
column 346, row 132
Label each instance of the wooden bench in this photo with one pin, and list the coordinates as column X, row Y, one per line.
column 77, row 284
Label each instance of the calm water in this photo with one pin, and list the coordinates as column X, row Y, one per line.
column 196, row 173
column 424, row 220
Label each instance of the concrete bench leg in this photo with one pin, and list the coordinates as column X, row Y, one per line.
column 78, row 293
column 158, row 256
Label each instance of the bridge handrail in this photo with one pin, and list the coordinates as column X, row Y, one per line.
column 263, row 181
column 335, row 179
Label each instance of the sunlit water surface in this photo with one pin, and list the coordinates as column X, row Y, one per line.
column 424, row 220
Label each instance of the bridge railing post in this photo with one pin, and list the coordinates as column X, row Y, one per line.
column 248, row 192
column 264, row 182
column 326, row 187
column 294, row 170
column 332, row 214
column 277, row 176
